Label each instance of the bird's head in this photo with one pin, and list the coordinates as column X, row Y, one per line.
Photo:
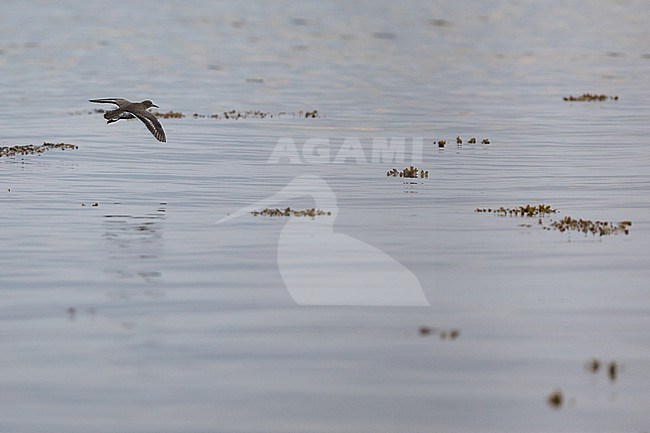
column 149, row 104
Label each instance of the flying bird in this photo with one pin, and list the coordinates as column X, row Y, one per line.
column 130, row 110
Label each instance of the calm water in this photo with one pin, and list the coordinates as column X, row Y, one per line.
column 141, row 314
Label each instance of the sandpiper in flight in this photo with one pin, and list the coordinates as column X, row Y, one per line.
column 129, row 110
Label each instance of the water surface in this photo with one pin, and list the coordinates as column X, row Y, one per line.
column 141, row 314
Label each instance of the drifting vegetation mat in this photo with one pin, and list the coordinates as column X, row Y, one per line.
column 600, row 228
column 31, row 149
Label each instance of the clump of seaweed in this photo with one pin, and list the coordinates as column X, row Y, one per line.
column 170, row 115
column 459, row 141
column 567, row 223
column 93, row 111
column 590, row 97
column 30, row 149
column 528, row 210
column 599, row 228
column 612, row 371
column 555, row 399
column 594, row 365
column 452, row 334
column 409, row 172
column 256, row 114
column 311, row 212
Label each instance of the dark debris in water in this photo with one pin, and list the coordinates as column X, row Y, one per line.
column 439, row 23
column 555, row 399
column 590, row 97
column 444, row 334
column 31, row 149
column 612, row 371
column 93, row 111
column 256, row 114
column 612, row 368
column 311, row 212
column 528, row 210
column 600, row 228
column 408, row 172
column 170, row 115
column 594, row 366
column 459, row 141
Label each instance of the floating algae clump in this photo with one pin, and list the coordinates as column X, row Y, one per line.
column 567, row 223
column 257, row 114
column 30, row 149
column 555, row 399
column 311, row 212
column 594, row 227
column 410, row 172
column 528, row 210
column 590, row 97
column 459, row 142
column 170, row 115
column 452, row 334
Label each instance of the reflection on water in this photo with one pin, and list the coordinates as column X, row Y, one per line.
column 132, row 242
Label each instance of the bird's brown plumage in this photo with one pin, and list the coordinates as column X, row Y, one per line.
column 129, row 110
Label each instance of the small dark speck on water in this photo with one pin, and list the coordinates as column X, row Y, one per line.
column 612, row 371
column 555, row 399
column 593, row 366
column 440, row 23
column 384, row 35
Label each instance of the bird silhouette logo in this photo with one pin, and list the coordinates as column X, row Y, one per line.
column 322, row 267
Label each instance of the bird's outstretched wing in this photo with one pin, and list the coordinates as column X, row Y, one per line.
column 117, row 101
column 152, row 124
